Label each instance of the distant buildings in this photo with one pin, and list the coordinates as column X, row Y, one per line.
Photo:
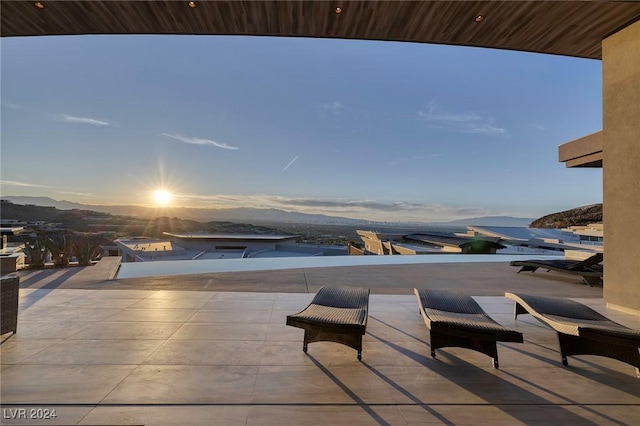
column 486, row 240
column 218, row 246
column 388, row 243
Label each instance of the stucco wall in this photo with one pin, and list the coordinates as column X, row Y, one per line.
column 621, row 168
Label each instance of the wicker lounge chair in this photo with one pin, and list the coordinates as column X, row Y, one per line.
column 9, row 288
column 589, row 269
column 581, row 330
column 336, row 314
column 456, row 320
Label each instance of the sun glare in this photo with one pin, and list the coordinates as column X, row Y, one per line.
column 162, row 197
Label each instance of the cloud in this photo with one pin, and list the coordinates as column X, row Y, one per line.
column 465, row 122
column 363, row 204
column 82, row 120
column 79, row 194
column 198, row 141
column 405, row 160
column 290, row 163
column 12, row 106
column 361, row 209
column 14, row 183
column 486, row 129
column 335, row 106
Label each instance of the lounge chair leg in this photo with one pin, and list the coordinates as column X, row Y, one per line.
column 433, row 353
column 564, row 361
column 495, row 363
column 359, row 355
column 304, row 348
column 518, row 310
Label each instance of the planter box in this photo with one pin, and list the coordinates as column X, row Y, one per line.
column 9, row 287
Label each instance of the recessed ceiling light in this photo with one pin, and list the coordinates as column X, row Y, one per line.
column 478, row 18
column 338, row 10
column 39, row 5
column 192, row 4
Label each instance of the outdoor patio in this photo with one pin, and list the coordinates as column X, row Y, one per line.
column 169, row 356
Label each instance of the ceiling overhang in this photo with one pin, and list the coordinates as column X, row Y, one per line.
column 566, row 27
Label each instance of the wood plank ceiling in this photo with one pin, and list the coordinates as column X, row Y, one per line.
column 566, row 27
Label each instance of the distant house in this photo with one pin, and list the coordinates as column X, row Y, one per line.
column 218, row 246
column 587, row 238
column 416, row 242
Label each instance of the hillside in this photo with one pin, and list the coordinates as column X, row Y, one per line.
column 574, row 217
column 240, row 214
column 254, row 215
column 92, row 221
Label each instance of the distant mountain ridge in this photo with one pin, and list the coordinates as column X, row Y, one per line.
column 492, row 221
column 574, row 217
column 247, row 214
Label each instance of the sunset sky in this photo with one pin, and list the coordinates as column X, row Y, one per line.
column 362, row 129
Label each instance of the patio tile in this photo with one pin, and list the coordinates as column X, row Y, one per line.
column 238, row 305
column 61, row 313
column 506, row 415
column 115, row 330
column 106, row 293
column 296, row 384
column 60, row 384
column 454, row 384
column 170, row 416
column 43, row 300
column 248, row 315
column 607, row 414
column 285, row 353
column 221, row 331
column 153, row 315
column 292, row 306
column 52, row 329
column 245, row 295
column 103, row 352
column 324, row 414
column 168, row 303
column 207, row 352
column 230, row 357
column 572, row 385
column 279, row 331
column 164, row 384
column 97, row 302
column 178, row 294
column 17, row 348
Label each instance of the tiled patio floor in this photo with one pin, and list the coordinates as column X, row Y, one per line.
column 227, row 358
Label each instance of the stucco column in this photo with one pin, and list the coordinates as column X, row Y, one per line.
column 621, row 167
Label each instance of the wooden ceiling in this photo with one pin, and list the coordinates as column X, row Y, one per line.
column 566, row 27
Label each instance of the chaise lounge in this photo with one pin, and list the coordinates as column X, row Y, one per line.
column 336, row 314
column 581, row 330
column 456, row 320
column 589, row 269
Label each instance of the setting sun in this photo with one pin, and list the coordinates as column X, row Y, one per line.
column 162, row 197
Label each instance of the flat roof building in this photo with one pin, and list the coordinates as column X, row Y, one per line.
column 218, row 246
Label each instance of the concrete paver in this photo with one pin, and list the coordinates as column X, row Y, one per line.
column 182, row 354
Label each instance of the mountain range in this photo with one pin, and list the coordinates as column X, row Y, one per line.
column 246, row 214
